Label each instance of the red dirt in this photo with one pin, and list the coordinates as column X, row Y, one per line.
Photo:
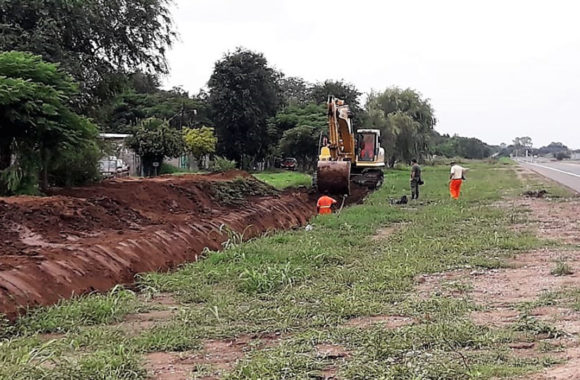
column 216, row 358
column 89, row 239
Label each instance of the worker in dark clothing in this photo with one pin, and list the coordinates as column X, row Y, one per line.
column 416, row 180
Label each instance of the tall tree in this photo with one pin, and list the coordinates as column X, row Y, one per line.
column 244, row 94
column 37, row 127
column 298, row 130
column 97, row 41
column 406, row 120
column 521, row 144
column 176, row 106
column 342, row 90
column 296, row 91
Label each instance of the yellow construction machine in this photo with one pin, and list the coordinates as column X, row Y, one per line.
column 347, row 156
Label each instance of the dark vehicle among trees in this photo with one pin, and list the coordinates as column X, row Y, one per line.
column 289, row 163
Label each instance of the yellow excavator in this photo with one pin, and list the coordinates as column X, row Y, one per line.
column 346, row 156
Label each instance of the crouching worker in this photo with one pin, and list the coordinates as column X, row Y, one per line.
column 324, row 204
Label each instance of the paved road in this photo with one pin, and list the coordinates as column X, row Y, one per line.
column 566, row 172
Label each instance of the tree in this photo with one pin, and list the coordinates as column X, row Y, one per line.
column 552, row 149
column 199, row 142
column 244, row 94
column 561, row 156
column 406, row 121
column 457, row 146
column 295, row 91
column 37, row 127
column 176, row 106
column 298, row 129
column 342, row 90
column 521, row 144
column 293, row 116
column 302, row 143
column 153, row 140
column 97, row 41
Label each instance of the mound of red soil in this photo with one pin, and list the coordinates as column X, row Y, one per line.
column 89, row 239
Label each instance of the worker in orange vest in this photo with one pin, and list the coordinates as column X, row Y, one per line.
column 324, row 204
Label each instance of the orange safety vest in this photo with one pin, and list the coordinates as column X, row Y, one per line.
column 324, row 204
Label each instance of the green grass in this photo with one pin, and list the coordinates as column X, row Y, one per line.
column 562, row 269
column 284, row 179
column 171, row 169
column 305, row 285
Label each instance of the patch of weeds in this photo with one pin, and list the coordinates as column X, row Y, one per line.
column 545, row 299
column 269, row 278
column 562, row 269
column 430, row 350
column 236, row 192
column 96, row 338
column 437, row 308
column 458, row 286
column 71, row 314
column 544, row 346
column 529, row 324
column 119, row 362
column 175, row 337
column 293, row 359
column 204, row 370
column 233, row 238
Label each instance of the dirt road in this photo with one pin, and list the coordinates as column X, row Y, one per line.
column 565, row 172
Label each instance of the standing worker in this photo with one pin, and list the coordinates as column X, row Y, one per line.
column 416, row 180
column 456, row 178
column 324, row 204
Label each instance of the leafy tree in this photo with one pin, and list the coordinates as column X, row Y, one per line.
column 342, row 90
column 521, row 144
column 244, row 94
column 298, row 129
column 302, row 143
column 405, row 119
column 458, row 146
column 200, row 141
column 561, row 156
column 153, row 140
column 37, row 127
column 553, row 148
column 296, row 91
column 176, row 106
column 297, row 115
column 97, row 41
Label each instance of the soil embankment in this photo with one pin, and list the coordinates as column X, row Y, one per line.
column 90, row 239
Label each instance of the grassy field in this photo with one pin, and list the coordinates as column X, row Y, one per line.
column 284, row 179
column 304, row 287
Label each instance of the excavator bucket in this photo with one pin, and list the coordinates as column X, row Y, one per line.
column 333, row 176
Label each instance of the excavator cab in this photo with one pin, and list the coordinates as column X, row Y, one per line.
column 367, row 147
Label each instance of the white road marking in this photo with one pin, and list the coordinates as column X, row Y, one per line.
column 554, row 169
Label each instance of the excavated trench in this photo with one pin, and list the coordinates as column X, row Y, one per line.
column 90, row 239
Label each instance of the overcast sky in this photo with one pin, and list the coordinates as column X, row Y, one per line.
column 492, row 69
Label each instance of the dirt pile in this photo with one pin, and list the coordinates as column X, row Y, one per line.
column 90, row 239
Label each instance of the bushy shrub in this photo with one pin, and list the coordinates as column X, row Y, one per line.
column 222, row 164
